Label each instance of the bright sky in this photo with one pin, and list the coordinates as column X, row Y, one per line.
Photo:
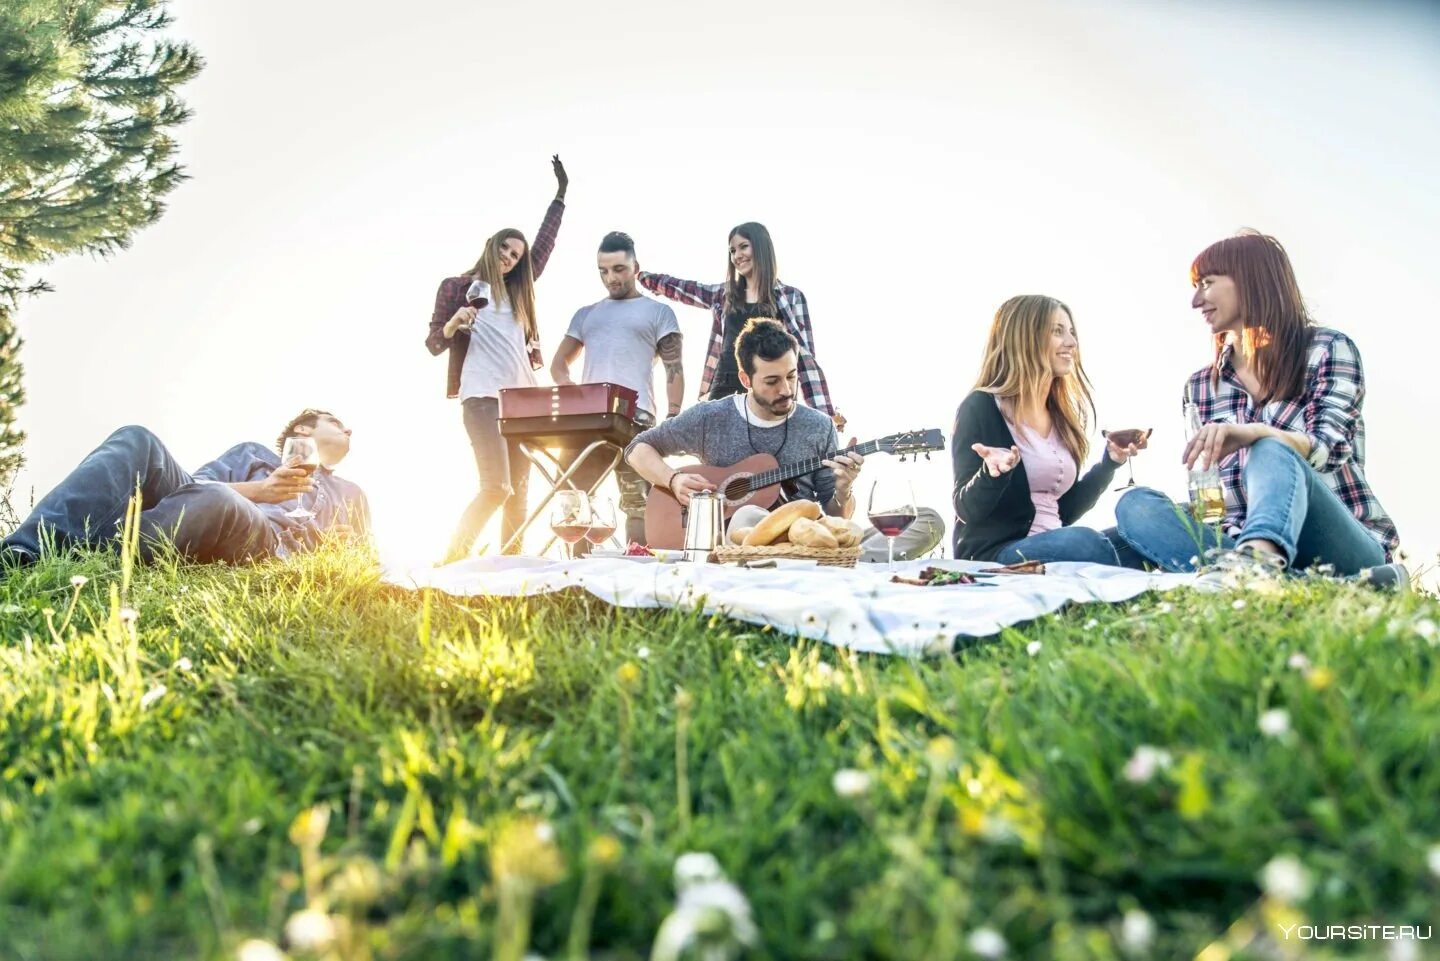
column 916, row 162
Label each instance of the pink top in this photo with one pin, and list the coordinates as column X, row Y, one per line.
column 1051, row 471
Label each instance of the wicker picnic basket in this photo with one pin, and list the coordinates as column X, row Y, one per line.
column 825, row 556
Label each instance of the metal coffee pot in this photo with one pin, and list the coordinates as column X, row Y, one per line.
column 704, row 526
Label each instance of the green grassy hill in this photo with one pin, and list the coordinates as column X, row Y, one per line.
column 189, row 760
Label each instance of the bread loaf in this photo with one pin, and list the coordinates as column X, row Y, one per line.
column 737, row 535
column 840, row 527
column 808, row 533
column 770, row 530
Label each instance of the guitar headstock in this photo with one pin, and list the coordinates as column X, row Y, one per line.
column 912, row 442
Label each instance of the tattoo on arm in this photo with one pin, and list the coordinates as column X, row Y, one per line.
column 669, row 351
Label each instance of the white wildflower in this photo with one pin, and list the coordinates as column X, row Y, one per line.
column 184, row 665
column 79, row 580
column 642, row 652
column 129, row 615
column 1285, row 879
column 257, row 950
column 1432, row 859
column 1091, row 624
column 252, row 826
column 1426, row 628
column 310, row 930
column 987, row 943
column 1299, row 662
column 1165, row 607
column 1145, row 763
column 1137, row 932
column 713, row 916
column 1239, row 604
column 1275, row 722
column 1033, row 648
column 151, row 696
column 1403, row 949
column 696, row 867
column 545, row 833
column 850, row 783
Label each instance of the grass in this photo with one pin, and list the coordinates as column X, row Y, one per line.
column 496, row 772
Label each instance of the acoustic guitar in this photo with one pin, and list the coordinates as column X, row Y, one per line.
column 757, row 480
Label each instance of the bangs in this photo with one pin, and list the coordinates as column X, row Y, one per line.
column 1222, row 257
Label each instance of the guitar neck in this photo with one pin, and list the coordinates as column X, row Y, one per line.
column 782, row 474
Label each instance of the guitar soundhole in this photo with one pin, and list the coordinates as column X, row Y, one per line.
column 736, row 488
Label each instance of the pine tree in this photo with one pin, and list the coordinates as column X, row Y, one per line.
column 87, row 105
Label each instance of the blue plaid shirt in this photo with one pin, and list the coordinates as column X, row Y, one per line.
column 1329, row 413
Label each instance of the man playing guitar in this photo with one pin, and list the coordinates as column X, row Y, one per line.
column 764, row 420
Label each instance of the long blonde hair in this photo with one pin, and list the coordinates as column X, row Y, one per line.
column 519, row 285
column 1016, row 370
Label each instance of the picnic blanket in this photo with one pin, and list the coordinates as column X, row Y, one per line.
column 855, row 608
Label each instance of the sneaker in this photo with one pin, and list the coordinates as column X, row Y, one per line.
column 1240, row 566
column 1385, row 577
column 14, row 558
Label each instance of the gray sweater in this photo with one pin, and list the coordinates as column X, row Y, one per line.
column 715, row 431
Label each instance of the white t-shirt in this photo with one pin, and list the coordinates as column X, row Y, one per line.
column 620, row 338
column 497, row 356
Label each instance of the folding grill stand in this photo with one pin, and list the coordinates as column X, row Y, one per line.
column 610, row 436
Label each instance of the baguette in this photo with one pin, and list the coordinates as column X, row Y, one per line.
column 737, row 536
column 769, row 530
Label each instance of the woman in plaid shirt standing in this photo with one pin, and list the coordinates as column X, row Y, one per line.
column 493, row 345
column 1281, row 408
column 752, row 289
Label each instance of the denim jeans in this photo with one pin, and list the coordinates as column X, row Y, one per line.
column 1287, row 503
column 1083, row 544
column 504, row 478
column 633, row 488
column 204, row 521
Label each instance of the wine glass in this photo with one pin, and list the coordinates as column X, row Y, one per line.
column 1124, row 438
column 891, row 511
column 602, row 521
column 302, row 452
column 570, row 518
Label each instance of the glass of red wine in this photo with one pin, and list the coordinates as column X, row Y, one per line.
column 891, row 511
column 300, row 451
column 602, row 521
column 477, row 295
column 1124, row 438
column 570, row 518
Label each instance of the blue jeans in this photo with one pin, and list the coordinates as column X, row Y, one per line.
column 1082, row 544
column 504, row 477
column 205, row 522
column 1287, row 503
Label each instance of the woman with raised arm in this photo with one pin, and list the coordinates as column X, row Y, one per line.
column 1020, row 440
column 1281, row 408
column 752, row 288
column 494, row 343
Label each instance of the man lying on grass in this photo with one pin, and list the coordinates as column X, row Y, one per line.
column 239, row 507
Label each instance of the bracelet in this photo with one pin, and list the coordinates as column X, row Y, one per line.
column 670, row 484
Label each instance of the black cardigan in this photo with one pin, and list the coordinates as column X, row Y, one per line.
column 991, row 512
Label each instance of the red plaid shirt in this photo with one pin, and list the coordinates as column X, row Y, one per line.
column 794, row 313
column 451, row 297
column 1328, row 413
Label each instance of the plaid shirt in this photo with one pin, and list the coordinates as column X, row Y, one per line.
column 794, row 313
column 451, row 297
column 1328, row 413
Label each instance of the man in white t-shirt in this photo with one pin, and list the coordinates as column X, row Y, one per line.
column 622, row 336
